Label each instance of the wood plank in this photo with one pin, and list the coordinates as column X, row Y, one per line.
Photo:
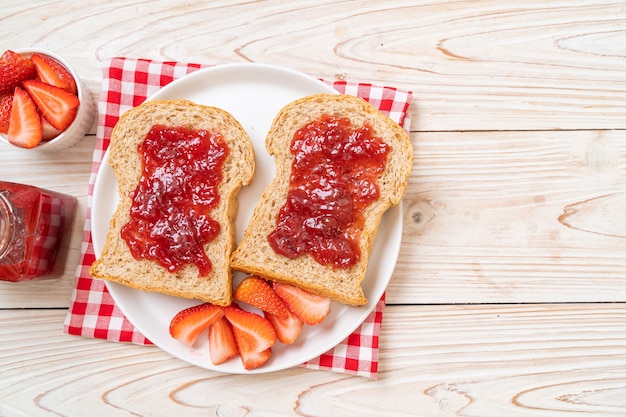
column 513, row 360
column 67, row 172
column 493, row 217
column 477, row 65
column 489, row 217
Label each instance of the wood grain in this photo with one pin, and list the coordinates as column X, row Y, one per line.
column 514, row 217
column 508, row 298
column 496, row 217
column 476, row 65
column 67, row 172
column 544, row 360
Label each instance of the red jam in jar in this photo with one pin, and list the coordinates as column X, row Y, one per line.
column 34, row 230
column 333, row 179
column 178, row 188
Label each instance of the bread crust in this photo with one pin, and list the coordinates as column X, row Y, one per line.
column 116, row 262
column 254, row 254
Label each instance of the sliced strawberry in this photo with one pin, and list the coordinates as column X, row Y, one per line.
column 52, row 72
column 310, row 308
column 259, row 293
column 252, row 360
column 222, row 345
column 49, row 132
column 14, row 69
column 55, row 104
column 287, row 330
column 6, row 101
column 25, row 124
column 253, row 334
column 187, row 325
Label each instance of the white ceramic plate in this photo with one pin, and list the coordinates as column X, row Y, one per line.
column 253, row 93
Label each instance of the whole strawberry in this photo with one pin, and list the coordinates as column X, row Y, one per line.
column 6, row 102
column 14, row 69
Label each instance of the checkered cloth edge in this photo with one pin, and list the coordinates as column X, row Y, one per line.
column 127, row 83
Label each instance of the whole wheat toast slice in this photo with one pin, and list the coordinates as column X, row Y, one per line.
column 116, row 263
column 255, row 256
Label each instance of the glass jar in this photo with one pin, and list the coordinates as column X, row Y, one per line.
column 35, row 226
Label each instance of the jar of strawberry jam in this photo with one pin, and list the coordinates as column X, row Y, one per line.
column 34, row 228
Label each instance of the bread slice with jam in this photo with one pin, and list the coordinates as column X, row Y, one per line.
column 158, row 273
column 320, row 267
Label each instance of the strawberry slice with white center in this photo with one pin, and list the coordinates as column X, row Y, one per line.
column 48, row 131
column 222, row 345
column 24, row 124
column 310, row 308
column 287, row 329
column 58, row 106
column 52, row 72
column 259, row 293
column 252, row 360
column 253, row 334
column 187, row 325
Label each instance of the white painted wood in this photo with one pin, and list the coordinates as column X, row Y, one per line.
column 472, row 65
column 534, row 360
column 489, row 217
column 67, row 172
column 508, row 298
column 528, row 216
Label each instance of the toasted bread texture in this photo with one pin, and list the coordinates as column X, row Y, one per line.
column 116, row 263
column 254, row 255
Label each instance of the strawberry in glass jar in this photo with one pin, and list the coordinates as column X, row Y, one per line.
column 34, row 228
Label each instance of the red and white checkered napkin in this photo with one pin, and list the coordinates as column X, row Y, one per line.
column 51, row 228
column 93, row 313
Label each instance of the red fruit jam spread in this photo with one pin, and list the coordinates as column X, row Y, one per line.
column 34, row 231
column 333, row 179
column 178, row 188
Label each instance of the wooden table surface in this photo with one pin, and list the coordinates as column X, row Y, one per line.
column 509, row 295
